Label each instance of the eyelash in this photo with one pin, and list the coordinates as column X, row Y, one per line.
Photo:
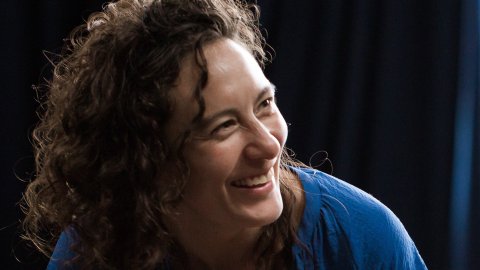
column 267, row 105
column 225, row 124
column 267, row 102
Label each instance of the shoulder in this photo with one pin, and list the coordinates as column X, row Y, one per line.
column 325, row 192
column 350, row 221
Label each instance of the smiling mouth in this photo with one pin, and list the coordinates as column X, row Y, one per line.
column 252, row 182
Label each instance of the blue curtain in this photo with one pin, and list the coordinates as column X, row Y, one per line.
column 465, row 207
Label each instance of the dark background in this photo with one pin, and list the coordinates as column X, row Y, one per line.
column 386, row 87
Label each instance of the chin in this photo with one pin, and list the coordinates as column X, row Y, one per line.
column 268, row 215
column 274, row 217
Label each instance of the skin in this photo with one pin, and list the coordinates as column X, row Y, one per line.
column 240, row 137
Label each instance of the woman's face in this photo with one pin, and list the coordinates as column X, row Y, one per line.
column 235, row 149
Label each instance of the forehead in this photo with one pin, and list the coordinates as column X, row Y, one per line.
column 226, row 61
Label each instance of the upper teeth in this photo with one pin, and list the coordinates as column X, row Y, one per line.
column 249, row 182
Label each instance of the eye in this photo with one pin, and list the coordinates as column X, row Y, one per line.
column 267, row 102
column 266, row 107
column 224, row 127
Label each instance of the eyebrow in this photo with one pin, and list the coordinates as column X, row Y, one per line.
column 205, row 121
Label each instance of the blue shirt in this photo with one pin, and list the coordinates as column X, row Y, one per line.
column 342, row 227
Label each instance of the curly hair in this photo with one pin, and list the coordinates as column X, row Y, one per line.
column 100, row 147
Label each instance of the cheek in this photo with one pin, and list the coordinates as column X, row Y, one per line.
column 211, row 160
column 209, row 170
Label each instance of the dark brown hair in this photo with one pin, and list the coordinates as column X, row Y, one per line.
column 100, row 146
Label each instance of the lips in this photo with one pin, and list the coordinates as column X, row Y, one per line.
column 252, row 182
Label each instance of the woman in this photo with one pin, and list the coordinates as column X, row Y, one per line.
column 161, row 147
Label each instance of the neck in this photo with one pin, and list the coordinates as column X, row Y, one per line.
column 211, row 247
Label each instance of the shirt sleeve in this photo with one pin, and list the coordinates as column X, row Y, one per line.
column 344, row 227
column 62, row 254
column 380, row 239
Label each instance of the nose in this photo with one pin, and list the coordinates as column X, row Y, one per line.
column 262, row 143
